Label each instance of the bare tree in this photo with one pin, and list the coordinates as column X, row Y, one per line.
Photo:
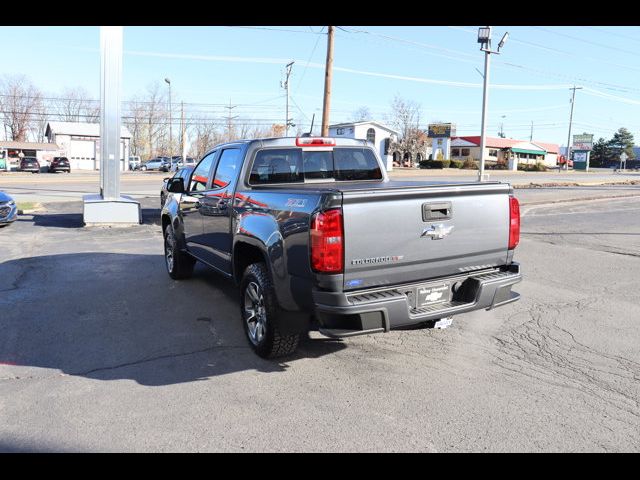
column 405, row 117
column 205, row 134
column 20, row 102
column 362, row 114
column 76, row 105
column 146, row 118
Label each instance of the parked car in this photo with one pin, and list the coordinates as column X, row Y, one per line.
column 8, row 209
column 296, row 223
column 187, row 162
column 158, row 163
column 184, row 173
column 134, row 162
column 562, row 160
column 29, row 164
column 60, row 164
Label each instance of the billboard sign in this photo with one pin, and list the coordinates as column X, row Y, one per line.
column 441, row 130
column 582, row 142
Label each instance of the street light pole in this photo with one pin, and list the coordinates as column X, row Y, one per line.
column 170, row 120
column 485, row 98
column 484, row 39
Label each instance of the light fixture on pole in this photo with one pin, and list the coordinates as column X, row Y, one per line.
column 484, row 39
column 170, row 120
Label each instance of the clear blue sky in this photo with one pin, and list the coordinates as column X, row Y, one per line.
column 435, row 66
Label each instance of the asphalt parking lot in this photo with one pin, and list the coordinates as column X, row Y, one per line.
column 101, row 351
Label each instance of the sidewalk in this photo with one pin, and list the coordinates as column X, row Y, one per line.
column 520, row 179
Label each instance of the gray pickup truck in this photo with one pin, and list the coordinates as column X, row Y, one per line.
column 317, row 236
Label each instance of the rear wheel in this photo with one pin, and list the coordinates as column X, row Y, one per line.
column 259, row 310
column 179, row 264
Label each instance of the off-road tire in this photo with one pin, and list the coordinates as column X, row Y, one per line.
column 273, row 344
column 181, row 264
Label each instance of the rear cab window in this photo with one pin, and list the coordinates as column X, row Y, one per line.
column 295, row 165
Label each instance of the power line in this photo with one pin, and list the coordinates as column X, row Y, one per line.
column 589, row 42
column 270, row 28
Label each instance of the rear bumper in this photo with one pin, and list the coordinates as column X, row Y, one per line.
column 380, row 310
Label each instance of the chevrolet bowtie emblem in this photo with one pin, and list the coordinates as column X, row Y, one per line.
column 437, row 232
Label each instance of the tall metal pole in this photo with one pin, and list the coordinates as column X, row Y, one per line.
column 485, row 100
column 328, row 74
column 110, row 111
column 573, row 101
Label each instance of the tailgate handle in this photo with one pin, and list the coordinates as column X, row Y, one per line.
column 436, row 211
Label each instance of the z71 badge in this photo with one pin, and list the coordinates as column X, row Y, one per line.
column 296, row 202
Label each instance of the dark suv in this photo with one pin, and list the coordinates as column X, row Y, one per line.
column 60, row 164
column 29, row 164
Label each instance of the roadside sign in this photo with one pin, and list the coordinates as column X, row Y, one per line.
column 441, row 130
column 583, row 142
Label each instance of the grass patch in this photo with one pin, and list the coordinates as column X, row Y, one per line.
column 22, row 206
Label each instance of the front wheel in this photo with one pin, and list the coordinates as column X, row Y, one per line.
column 259, row 310
column 179, row 264
column 144, row 169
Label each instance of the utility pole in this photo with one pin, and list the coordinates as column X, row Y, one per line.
column 573, row 100
column 531, row 136
column 170, row 119
column 285, row 85
column 182, row 130
column 328, row 73
column 230, row 119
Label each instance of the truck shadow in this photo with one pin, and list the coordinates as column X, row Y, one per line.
column 111, row 316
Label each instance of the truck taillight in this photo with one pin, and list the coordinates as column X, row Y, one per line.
column 514, row 222
column 327, row 247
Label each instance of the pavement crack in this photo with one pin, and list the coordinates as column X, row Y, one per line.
column 158, row 357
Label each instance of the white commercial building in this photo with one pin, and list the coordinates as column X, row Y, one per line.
column 379, row 135
column 80, row 143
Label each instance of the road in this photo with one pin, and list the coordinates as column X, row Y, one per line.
column 60, row 187
column 101, row 351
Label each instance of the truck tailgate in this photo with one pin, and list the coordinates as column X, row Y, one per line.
column 399, row 235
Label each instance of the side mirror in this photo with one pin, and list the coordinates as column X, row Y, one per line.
column 176, row 185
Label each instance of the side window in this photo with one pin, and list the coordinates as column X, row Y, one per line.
column 371, row 136
column 201, row 174
column 228, row 168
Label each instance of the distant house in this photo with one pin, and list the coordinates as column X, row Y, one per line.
column 11, row 152
column 503, row 149
column 378, row 134
column 80, row 143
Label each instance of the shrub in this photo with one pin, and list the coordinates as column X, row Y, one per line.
column 434, row 164
column 456, row 164
column 470, row 164
column 538, row 167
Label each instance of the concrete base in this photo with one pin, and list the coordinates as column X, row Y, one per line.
column 123, row 211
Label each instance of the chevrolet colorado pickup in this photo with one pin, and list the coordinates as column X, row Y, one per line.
column 317, row 236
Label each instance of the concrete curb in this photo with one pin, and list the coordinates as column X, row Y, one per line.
column 569, row 200
column 533, row 185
